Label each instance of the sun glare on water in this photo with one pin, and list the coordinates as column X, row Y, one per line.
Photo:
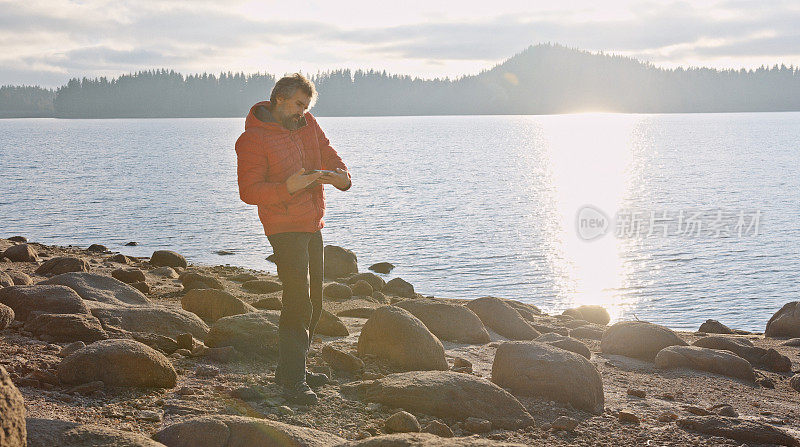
column 589, row 158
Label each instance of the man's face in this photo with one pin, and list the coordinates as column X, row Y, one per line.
column 289, row 111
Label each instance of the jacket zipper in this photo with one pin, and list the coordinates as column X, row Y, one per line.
column 302, row 163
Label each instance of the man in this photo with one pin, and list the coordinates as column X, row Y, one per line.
column 280, row 155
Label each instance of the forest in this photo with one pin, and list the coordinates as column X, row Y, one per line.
column 543, row 79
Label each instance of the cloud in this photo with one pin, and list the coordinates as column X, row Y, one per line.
column 100, row 36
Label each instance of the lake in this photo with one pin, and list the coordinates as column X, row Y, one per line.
column 667, row 218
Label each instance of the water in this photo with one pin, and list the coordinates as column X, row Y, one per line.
column 465, row 206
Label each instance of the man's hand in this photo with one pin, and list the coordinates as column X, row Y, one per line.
column 300, row 180
column 337, row 178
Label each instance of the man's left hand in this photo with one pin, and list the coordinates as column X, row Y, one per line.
column 337, row 178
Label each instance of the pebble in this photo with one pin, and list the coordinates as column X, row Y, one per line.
column 149, row 415
column 283, row 409
column 766, row 382
column 402, row 422
column 667, row 416
column 476, row 425
column 206, row 371
column 636, row 393
column 794, row 382
column 626, row 416
column 70, row 348
column 564, row 423
column 697, row 410
column 439, row 429
column 725, row 410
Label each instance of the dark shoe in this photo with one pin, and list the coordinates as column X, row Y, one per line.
column 300, row 393
column 315, row 380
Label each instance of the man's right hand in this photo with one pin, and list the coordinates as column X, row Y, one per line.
column 300, row 180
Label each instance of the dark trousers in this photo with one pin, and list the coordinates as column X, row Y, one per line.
column 299, row 259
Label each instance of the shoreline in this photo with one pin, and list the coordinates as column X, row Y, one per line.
column 642, row 402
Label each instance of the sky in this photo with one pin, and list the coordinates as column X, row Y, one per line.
column 48, row 42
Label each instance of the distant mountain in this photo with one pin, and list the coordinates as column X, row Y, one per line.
column 542, row 79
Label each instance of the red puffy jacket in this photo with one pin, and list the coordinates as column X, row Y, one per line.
column 267, row 154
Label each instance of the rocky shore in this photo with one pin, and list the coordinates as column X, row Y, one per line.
column 102, row 349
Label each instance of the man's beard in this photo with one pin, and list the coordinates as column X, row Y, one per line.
column 291, row 122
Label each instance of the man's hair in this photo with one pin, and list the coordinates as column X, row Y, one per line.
column 288, row 85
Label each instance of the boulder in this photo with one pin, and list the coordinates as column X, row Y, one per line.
column 126, row 363
column 794, row 382
column 20, row 253
column 243, row 277
column 42, row 298
column 165, row 272
column 339, row 262
column 56, row 433
column 593, row 314
column 20, row 279
column 395, row 334
column 100, row 289
column 5, row 280
column 638, row 339
column 382, row 267
column 153, row 319
column 714, row 327
column 168, row 258
column 12, row 412
column 357, row 312
column 374, row 280
column 21, row 239
column 141, row 286
column 704, row 359
column 232, row 431
column 97, row 248
column 121, row 259
column 528, row 311
column 6, row 316
column 402, row 422
column 161, row 343
column 329, row 324
column 740, row 430
column 500, row 317
column 538, row 369
column 66, row 327
column 785, row 322
column 269, row 303
column 128, row 275
column 566, row 343
column 742, row 347
column 262, row 286
column 337, row 291
column 254, row 332
column 775, row 361
column 340, row 360
column 62, row 264
column 399, row 287
column 438, row 428
column 194, row 280
column 426, row 440
column 448, row 321
column 212, row 304
column 362, row 288
column 587, row 332
column 444, row 394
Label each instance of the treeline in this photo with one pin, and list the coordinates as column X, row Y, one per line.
column 542, row 79
column 26, row 101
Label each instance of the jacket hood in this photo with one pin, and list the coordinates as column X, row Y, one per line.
column 260, row 116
